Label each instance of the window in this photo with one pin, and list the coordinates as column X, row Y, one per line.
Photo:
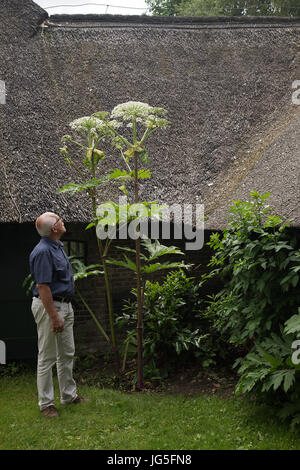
column 75, row 248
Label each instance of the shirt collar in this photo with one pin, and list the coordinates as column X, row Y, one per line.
column 53, row 243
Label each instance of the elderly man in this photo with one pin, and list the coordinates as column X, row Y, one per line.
column 53, row 313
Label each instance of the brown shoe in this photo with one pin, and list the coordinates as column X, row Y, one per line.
column 50, row 411
column 80, row 399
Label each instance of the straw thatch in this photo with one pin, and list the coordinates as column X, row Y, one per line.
column 226, row 83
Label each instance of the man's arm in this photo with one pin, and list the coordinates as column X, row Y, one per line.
column 47, row 299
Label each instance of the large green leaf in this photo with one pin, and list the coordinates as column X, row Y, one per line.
column 80, row 271
column 124, row 175
column 160, row 266
column 292, row 325
column 273, row 361
column 289, row 379
column 128, row 264
column 155, row 249
column 74, row 188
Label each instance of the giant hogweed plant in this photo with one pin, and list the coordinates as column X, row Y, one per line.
column 90, row 133
column 141, row 120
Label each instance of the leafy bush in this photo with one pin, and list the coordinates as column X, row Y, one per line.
column 258, row 260
column 270, row 371
column 268, row 366
column 173, row 326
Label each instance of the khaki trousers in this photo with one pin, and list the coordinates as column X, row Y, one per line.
column 54, row 348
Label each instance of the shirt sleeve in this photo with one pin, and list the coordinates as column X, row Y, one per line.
column 42, row 268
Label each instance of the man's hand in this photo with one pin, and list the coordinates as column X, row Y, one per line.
column 47, row 299
column 57, row 324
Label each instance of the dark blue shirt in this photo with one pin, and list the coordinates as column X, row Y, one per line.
column 49, row 264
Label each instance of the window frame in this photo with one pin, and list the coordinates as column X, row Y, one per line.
column 74, row 240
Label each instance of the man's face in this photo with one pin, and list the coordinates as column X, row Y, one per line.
column 59, row 226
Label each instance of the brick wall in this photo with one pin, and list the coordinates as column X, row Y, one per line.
column 88, row 338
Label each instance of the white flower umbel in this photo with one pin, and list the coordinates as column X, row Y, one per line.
column 130, row 110
column 141, row 113
column 87, row 123
column 93, row 124
column 115, row 124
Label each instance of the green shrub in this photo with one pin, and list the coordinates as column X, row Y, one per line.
column 258, row 261
column 270, row 372
column 173, row 323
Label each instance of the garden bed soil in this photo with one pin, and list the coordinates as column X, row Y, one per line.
column 188, row 381
column 194, row 381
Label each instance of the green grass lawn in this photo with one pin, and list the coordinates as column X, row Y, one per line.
column 141, row 421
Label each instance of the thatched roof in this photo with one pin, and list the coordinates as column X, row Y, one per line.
column 227, row 84
column 20, row 20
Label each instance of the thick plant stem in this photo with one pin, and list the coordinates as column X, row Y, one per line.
column 139, row 292
column 140, row 319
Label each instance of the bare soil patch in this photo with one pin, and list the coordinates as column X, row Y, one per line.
column 189, row 380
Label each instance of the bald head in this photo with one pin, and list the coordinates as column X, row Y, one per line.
column 45, row 222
